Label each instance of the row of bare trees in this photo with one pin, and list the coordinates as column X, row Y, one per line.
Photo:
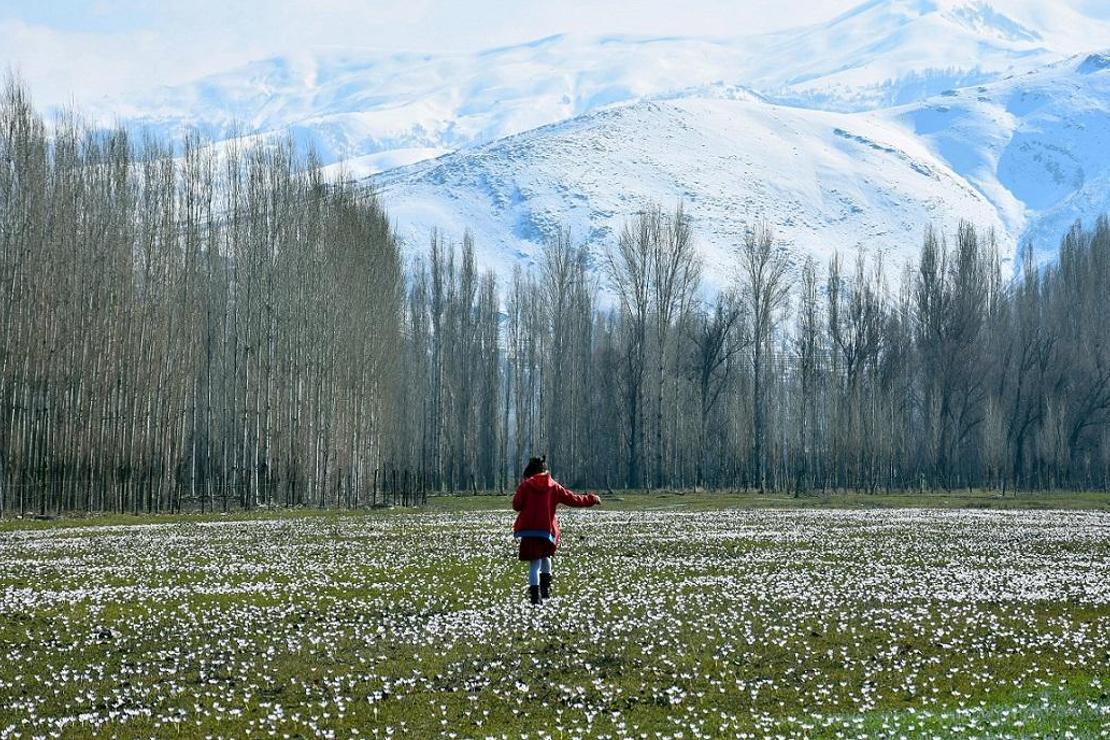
column 618, row 364
column 211, row 326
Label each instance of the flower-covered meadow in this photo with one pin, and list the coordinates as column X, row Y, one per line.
column 664, row 624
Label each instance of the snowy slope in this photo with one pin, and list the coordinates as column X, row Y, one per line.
column 1025, row 156
column 824, row 180
column 1036, row 145
column 380, row 111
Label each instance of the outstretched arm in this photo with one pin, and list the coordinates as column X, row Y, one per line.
column 577, row 499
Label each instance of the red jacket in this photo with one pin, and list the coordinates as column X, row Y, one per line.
column 536, row 499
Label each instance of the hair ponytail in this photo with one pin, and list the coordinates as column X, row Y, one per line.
column 536, row 465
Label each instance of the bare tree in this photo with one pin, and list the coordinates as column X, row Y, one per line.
column 764, row 284
column 630, row 267
column 674, row 278
column 719, row 335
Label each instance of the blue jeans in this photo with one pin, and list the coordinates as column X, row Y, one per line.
column 535, row 567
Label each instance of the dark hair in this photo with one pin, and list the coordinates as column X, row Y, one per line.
column 535, row 466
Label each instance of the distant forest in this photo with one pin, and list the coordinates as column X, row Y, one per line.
column 194, row 326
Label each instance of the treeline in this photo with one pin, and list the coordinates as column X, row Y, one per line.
column 207, row 327
column 189, row 327
column 797, row 377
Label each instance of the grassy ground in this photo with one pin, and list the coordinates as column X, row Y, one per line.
column 630, row 501
column 699, row 615
column 728, row 499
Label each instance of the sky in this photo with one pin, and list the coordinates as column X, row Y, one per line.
column 82, row 50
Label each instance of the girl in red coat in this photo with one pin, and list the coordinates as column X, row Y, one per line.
column 536, row 525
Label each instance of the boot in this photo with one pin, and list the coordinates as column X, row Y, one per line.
column 545, row 585
column 534, row 595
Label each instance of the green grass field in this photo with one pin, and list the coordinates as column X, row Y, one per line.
column 675, row 615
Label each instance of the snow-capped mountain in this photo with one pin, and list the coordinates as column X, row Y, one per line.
column 1024, row 156
column 854, row 133
column 380, row 111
